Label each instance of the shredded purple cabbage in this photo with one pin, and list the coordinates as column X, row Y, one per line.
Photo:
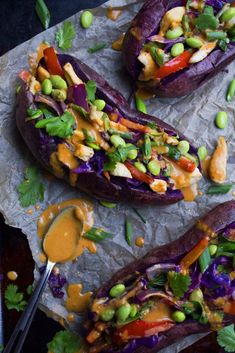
column 95, row 164
column 77, row 94
column 132, row 345
column 229, row 232
column 216, row 4
column 56, row 283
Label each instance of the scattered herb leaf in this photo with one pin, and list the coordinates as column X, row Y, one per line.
column 179, row 283
column 91, row 90
column 152, row 124
column 97, row 234
column 14, row 299
column 61, row 126
column 223, row 44
column 33, row 113
column 219, row 189
column 64, row 35
column 43, row 13
column 128, row 231
column 97, row 47
column 139, row 215
column 29, row 289
column 158, row 281
column 80, row 110
column 64, row 342
column 206, row 21
column 119, row 155
column 31, row 189
column 173, row 152
column 226, row 338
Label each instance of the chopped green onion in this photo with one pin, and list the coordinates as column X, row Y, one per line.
column 230, row 91
column 139, row 215
column 214, row 35
column 204, row 259
column 219, row 189
column 147, row 146
column 125, row 135
column 97, row 47
column 128, row 231
column 43, row 13
column 108, row 204
column 140, row 105
column 97, row 235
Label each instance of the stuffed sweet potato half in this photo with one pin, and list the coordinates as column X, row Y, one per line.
column 178, row 289
column 84, row 131
column 172, row 47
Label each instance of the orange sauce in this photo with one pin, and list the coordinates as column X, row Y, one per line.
column 113, row 13
column 37, row 207
column 117, row 44
column 159, row 312
column 205, row 165
column 12, row 275
column 190, row 192
column 30, row 211
column 77, row 301
column 144, row 93
column 70, row 317
column 139, row 241
column 65, row 156
column 42, row 257
column 203, row 227
column 64, row 240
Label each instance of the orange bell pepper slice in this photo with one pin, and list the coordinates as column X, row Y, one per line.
column 194, row 254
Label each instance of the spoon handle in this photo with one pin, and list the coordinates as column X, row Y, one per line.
column 20, row 332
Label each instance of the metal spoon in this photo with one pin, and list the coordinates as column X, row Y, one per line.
column 20, row 332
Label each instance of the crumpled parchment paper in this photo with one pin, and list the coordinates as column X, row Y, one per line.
column 192, row 115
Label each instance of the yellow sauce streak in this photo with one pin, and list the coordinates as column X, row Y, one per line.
column 65, row 156
column 113, row 13
column 160, row 311
column 77, row 301
column 205, row 165
column 139, row 241
column 12, row 275
column 117, row 44
column 190, row 192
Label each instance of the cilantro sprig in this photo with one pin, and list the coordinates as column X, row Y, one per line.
column 91, row 90
column 179, row 283
column 226, row 338
column 31, row 189
column 119, row 155
column 64, row 35
column 14, row 299
column 60, row 126
column 64, row 342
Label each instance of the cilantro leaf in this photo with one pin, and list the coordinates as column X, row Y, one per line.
column 29, row 289
column 158, row 281
column 14, row 299
column 31, row 189
column 205, row 21
column 61, row 126
column 64, row 342
column 91, row 90
column 226, row 338
column 119, row 155
column 179, row 283
column 64, row 35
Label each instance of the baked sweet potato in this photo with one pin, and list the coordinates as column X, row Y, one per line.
column 175, row 290
column 82, row 130
column 206, row 37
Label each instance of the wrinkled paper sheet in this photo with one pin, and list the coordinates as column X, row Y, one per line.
column 192, row 115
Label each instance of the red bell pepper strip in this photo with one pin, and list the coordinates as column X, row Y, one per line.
column 174, row 65
column 137, row 174
column 135, row 126
column 24, row 75
column 194, row 254
column 186, row 164
column 52, row 62
column 140, row 328
column 229, row 307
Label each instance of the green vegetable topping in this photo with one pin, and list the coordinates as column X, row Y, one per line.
column 140, row 105
column 64, row 342
column 179, row 283
column 31, row 190
column 133, row 311
column 64, row 35
column 128, row 231
column 147, row 149
column 43, row 13
column 228, row 14
column 108, row 204
column 86, row 19
column 174, row 153
column 119, row 155
column 97, row 234
column 99, row 103
column 154, row 167
column 117, row 141
column 14, row 299
column 221, row 120
column 29, row 289
column 193, row 42
column 226, row 338
column 183, row 146
column 178, row 316
column 212, row 249
column 202, row 153
column 157, row 55
column 97, row 47
column 231, row 91
column 33, row 114
column 61, row 126
column 158, row 281
column 206, row 21
column 140, row 166
column 107, row 314
column 214, row 35
column 117, row 290
column 132, row 154
column 58, row 82
column 204, row 260
column 177, row 49
column 219, row 189
column 196, row 295
column 174, row 33
column 91, row 90
column 123, row 312
column 59, row 95
column 47, row 87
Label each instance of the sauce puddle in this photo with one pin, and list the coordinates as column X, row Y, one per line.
column 113, row 13
column 77, row 301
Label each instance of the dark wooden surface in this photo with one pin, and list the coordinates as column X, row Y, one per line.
column 19, row 23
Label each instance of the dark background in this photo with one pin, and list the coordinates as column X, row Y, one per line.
column 19, row 23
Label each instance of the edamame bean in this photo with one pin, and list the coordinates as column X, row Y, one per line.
column 140, row 104
column 221, row 120
column 178, row 316
column 117, row 141
column 202, row 153
column 214, row 35
column 58, row 82
column 132, row 154
column 47, row 87
column 177, row 49
column 59, row 95
column 174, row 33
column 86, row 19
column 183, row 146
column 228, row 14
column 107, row 314
column 123, row 312
column 231, row 91
column 212, row 249
column 154, row 167
column 133, row 311
column 193, row 42
column 117, row 290
column 196, row 295
column 100, row 104
column 140, row 166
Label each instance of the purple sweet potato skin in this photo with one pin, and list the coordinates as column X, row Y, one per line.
column 184, row 82
column 216, row 220
column 97, row 186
